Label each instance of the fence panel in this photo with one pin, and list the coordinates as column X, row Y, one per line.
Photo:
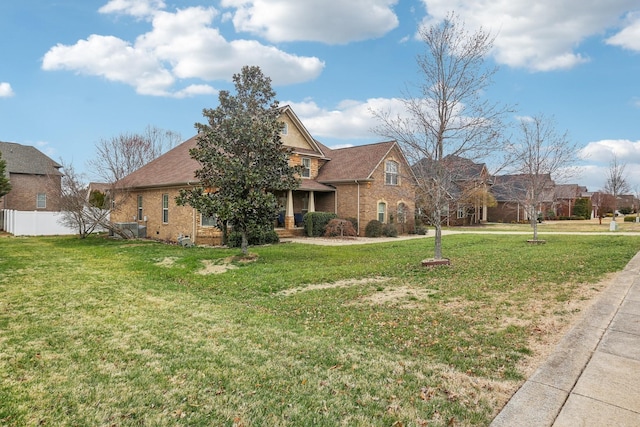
column 34, row 223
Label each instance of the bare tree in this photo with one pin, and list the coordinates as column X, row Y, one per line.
column 447, row 115
column 77, row 209
column 539, row 155
column 616, row 184
column 119, row 156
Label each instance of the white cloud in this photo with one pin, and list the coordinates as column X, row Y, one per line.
column 137, row 8
column 541, row 35
column 629, row 36
column 349, row 120
column 180, row 45
column 603, row 151
column 327, row 21
column 5, row 90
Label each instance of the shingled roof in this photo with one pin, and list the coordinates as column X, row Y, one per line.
column 25, row 159
column 176, row 167
column 353, row 163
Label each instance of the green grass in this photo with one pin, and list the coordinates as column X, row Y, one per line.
column 102, row 332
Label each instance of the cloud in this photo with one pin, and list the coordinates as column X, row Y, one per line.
column 629, row 36
column 136, row 8
column 5, row 90
column 603, row 151
column 326, row 21
column 543, row 35
column 181, row 45
column 348, row 120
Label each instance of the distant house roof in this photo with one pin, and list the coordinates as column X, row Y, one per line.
column 568, row 191
column 510, row 188
column 459, row 168
column 353, row 163
column 25, row 159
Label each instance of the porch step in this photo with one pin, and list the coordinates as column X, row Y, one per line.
column 287, row 234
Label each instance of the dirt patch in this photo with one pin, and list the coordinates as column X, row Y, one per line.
column 332, row 285
column 212, row 267
column 167, row 262
column 406, row 295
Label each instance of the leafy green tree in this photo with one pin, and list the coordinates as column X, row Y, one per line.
column 582, row 208
column 242, row 157
column 5, row 185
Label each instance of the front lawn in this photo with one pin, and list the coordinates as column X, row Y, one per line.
column 104, row 332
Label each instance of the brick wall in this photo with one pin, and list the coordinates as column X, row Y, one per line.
column 25, row 189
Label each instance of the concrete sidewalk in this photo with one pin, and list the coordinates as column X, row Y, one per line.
column 593, row 376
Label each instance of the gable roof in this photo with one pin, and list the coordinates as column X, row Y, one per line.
column 25, row 159
column 509, row 188
column 174, row 168
column 354, row 163
column 317, row 149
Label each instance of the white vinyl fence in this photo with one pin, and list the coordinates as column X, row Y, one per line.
column 33, row 223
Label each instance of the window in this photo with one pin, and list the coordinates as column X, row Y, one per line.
column 382, row 211
column 208, row 220
column 165, row 208
column 306, row 167
column 285, row 128
column 391, row 173
column 462, row 212
column 41, row 201
column 140, row 207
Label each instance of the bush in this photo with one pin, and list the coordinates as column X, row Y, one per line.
column 315, row 222
column 256, row 237
column 373, row 229
column 354, row 222
column 390, row 230
column 630, row 218
column 339, row 228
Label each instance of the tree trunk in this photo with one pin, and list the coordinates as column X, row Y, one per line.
column 437, row 253
column 534, row 224
column 245, row 243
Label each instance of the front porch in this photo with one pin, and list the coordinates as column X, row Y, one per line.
column 294, row 204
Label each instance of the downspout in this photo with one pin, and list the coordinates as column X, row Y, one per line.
column 358, row 207
column 193, row 233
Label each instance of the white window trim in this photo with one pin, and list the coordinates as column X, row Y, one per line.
column 41, row 197
column 391, row 177
column 215, row 220
column 383, row 212
column 165, row 218
column 306, row 171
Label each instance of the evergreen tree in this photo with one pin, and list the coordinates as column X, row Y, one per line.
column 5, row 185
column 242, row 157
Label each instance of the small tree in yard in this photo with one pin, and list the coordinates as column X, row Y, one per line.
column 538, row 155
column 616, row 184
column 83, row 213
column 447, row 116
column 242, row 157
column 5, row 185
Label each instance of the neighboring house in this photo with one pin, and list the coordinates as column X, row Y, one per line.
column 365, row 182
column 468, row 189
column 35, row 179
column 565, row 198
column 510, row 192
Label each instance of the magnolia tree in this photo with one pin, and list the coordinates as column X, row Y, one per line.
column 242, row 157
column 5, row 185
column 446, row 114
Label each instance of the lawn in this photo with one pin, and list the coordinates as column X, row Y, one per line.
column 104, row 332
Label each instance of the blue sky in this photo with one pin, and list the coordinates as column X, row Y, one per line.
column 75, row 72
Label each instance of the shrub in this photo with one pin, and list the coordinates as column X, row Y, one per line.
column 354, row 222
column 339, row 228
column 421, row 230
column 373, row 229
column 390, row 230
column 630, row 218
column 256, row 237
column 315, row 222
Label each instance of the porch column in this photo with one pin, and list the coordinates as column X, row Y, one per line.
column 288, row 215
column 312, row 202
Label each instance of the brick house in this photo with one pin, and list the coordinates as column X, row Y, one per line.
column 365, row 182
column 510, row 192
column 566, row 196
column 468, row 188
column 35, row 179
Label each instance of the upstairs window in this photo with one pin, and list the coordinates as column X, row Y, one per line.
column 165, row 208
column 306, row 167
column 391, row 173
column 41, row 201
column 285, row 128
